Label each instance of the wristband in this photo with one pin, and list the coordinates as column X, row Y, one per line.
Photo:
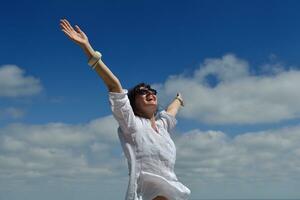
column 180, row 100
column 94, row 59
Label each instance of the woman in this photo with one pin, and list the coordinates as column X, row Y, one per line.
column 146, row 133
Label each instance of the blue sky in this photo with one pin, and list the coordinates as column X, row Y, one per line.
column 142, row 35
column 235, row 62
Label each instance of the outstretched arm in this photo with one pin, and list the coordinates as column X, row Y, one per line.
column 79, row 37
column 174, row 106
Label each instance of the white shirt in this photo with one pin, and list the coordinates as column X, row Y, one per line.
column 154, row 152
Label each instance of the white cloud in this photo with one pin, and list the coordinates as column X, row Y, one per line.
column 236, row 96
column 65, row 135
column 107, row 125
column 229, row 68
column 13, row 82
column 57, row 152
column 207, row 161
column 260, row 159
column 60, row 150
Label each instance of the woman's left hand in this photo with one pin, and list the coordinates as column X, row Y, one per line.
column 76, row 35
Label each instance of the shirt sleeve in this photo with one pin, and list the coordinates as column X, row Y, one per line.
column 122, row 111
column 168, row 120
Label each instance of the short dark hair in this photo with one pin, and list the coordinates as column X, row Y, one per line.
column 133, row 92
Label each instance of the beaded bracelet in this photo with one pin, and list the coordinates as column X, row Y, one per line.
column 94, row 59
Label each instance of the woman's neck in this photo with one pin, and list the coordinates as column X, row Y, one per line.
column 153, row 124
column 147, row 115
column 151, row 118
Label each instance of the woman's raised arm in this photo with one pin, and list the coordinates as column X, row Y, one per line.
column 174, row 106
column 79, row 37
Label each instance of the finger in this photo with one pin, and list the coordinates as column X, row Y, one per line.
column 68, row 24
column 64, row 27
column 78, row 29
column 68, row 34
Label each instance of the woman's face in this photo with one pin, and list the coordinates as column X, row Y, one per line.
column 146, row 101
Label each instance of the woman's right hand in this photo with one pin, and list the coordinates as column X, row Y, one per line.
column 76, row 35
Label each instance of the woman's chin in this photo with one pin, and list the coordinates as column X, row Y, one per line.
column 151, row 106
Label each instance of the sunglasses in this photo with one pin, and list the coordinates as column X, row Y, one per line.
column 143, row 91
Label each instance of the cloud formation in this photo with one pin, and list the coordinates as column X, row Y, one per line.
column 245, row 162
column 14, row 83
column 224, row 91
column 250, row 156
column 91, row 152
column 58, row 150
column 221, row 91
